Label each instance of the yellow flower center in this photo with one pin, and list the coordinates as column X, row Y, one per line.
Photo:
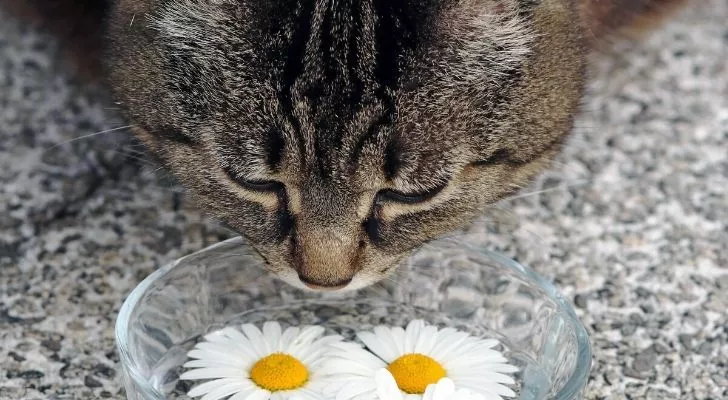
column 414, row 372
column 278, row 372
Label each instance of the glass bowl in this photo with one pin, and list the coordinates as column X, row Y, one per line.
column 447, row 284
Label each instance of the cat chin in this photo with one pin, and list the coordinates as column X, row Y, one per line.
column 291, row 277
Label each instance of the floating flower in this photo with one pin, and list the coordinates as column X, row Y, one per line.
column 416, row 358
column 255, row 365
column 444, row 389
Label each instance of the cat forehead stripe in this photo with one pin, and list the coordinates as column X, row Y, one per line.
column 328, row 62
column 351, row 56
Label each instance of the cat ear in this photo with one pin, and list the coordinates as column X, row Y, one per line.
column 625, row 16
column 136, row 6
column 493, row 7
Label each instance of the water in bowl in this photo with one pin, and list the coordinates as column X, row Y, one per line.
column 346, row 318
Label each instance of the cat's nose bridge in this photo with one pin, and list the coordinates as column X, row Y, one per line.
column 327, row 206
column 333, row 235
column 326, row 256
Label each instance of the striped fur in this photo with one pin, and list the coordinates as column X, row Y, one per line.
column 340, row 102
column 304, row 124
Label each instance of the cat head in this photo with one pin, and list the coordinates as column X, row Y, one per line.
column 337, row 136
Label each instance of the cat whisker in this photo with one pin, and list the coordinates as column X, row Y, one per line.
column 513, row 223
column 120, row 128
column 225, row 227
column 174, row 190
column 152, row 173
column 380, row 281
column 136, row 157
column 447, row 239
column 548, row 190
column 138, row 149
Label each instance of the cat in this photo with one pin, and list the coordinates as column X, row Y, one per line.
column 339, row 135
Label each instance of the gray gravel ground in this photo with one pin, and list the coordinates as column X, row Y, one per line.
column 631, row 223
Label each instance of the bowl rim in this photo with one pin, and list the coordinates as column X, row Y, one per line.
column 582, row 368
column 573, row 386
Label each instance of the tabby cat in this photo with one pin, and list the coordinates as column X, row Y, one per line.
column 339, row 135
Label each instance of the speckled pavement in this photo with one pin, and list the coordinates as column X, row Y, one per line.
column 631, row 223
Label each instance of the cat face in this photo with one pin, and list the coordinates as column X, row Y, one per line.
column 337, row 136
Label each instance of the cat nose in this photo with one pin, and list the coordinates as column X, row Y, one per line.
column 324, row 286
column 326, row 259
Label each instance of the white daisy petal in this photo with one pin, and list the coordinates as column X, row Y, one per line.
column 448, row 345
column 412, row 334
column 244, row 355
column 216, row 336
column 212, row 373
column 352, row 392
column 288, row 336
column 212, row 346
column 368, row 360
column 242, row 343
column 444, row 387
column 256, row 338
column 477, row 346
column 381, row 345
column 302, row 342
column 206, row 354
column 398, row 336
column 426, row 341
column 314, row 349
column 222, row 362
column 385, row 335
column 234, row 335
column 363, row 384
column 307, row 394
column 444, row 333
column 314, row 359
column 386, row 385
column 429, row 393
column 244, row 393
column 224, row 391
column 488, row 356
column 342, row 366
column 364, row 358
column 259, row 394
column 464, row 394
column 486, row 376
column 469, row 362
column 272, row 335
column 501, row 367
column 485, row 386
column 327, row 341
column 488, row 395
column 206, row 387
column 309, row 334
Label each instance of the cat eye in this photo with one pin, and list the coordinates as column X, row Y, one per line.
column 409, row 198
column 255, row 185
column 500, row 156
column 261, row 186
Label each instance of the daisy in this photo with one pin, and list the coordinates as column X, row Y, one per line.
column 444, row 389
column 255, row 365
column 416, row 358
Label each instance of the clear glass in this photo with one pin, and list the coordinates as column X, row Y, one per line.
column 450, row 285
